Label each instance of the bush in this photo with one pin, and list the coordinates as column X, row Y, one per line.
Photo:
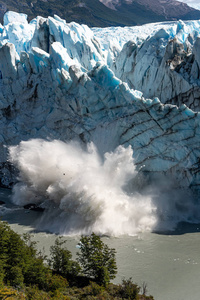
column 2, row 273
column 129, row 290
column 37, row 274
column 58, row 295
column 33, row 293
column 11, row 294
column 16, row 277
column 56, row 282
column 93, row 289
column 97, row 259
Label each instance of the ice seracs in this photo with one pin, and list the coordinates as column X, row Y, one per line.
column 164, row 66
column 13, row 17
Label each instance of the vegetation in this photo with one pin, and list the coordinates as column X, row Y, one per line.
column 61, row 260
column 25, row 273
column 97, row 260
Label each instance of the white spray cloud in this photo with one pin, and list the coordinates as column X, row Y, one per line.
column 83, row 192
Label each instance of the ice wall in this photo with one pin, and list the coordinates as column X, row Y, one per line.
column 161, row 60
column 57, row 83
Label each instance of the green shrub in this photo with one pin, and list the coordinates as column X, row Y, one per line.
column 58, row 295
column 2, row 274
column 16, row 276
column 33, row 293
column 93, row 289
column 37, row 274
column 129, row 290
column 56, row 282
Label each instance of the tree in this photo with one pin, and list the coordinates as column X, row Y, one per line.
column 97, row 259
column 19, row 263
column 61, row 260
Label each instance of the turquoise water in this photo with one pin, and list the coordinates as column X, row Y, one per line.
column 168, row 263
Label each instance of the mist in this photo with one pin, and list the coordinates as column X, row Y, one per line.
column 84, row 193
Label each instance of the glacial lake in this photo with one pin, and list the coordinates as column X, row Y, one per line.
column 168, row 263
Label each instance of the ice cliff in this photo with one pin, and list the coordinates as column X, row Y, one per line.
column 160, row 60
column 66, row 81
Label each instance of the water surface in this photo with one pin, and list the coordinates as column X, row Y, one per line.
column 168, row 263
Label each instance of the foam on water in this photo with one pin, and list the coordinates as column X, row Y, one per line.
column 83, row 192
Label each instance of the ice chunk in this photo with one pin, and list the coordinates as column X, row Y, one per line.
column 61, row 57
column 13, row 17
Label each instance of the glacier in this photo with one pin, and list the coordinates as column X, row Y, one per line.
column 136, row 87
column 161, row 60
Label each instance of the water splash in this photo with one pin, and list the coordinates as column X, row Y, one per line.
column 83, row 192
